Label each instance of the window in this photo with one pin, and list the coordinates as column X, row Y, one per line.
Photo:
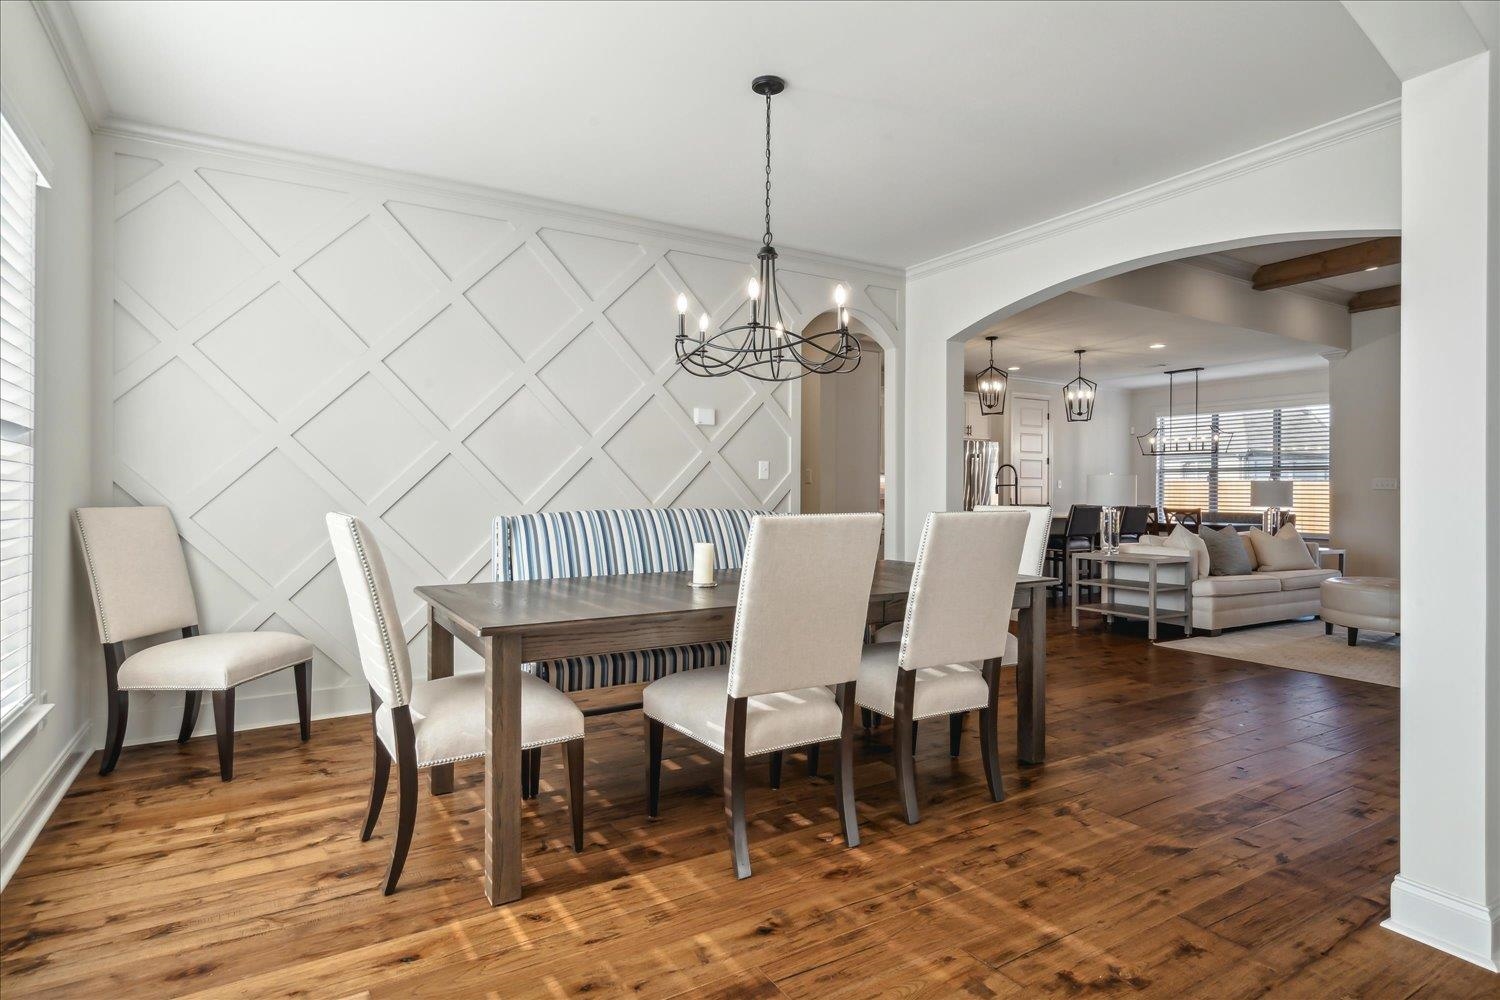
column 1289, row 442
column 19, row 180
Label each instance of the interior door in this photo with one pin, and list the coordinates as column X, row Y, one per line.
column 1031, row 447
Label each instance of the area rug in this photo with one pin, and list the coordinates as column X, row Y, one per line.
column 1303, row 646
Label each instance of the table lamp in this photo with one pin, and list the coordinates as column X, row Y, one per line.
column 1273, row 495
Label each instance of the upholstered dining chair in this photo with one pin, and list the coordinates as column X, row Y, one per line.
column 953, row 641
column 139, row 581
column 1079, row 534
column 438, row 721
column 799, row 624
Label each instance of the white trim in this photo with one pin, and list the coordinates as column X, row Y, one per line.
column 73, row 54
column 22, row 832
column 1381, row 116
column 17, row 730
column 1443, row 921
column 30, row 142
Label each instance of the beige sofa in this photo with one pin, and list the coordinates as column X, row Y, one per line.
column 1221, row 602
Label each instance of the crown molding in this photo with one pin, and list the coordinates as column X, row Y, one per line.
column 73, row 53
column 1360, row 123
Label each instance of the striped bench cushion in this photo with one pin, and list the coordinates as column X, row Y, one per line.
column 557, row 544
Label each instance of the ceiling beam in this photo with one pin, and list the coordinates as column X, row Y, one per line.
column 1328, row 264
column 1376, row 298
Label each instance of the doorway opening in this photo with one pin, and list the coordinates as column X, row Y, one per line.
column 843, row 432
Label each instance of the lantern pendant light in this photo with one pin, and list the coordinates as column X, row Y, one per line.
column 1078, row 395
column 991, row 385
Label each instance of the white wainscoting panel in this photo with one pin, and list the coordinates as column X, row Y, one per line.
column 289, row 340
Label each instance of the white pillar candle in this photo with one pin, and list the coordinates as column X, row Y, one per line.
column 703, row 564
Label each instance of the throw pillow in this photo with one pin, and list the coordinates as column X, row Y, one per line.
column 1189, row 542
column 1226, row 553
column 1283, row 550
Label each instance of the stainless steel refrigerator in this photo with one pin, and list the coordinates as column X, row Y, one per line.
column 981, row 471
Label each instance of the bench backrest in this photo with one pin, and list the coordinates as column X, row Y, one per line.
column 555, row 544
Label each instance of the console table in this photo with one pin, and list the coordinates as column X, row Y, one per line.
column 1152, row 588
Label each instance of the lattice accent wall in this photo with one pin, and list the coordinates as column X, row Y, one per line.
column 287, row 340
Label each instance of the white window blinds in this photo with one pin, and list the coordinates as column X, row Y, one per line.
column 19, row 180
column 1290, row 442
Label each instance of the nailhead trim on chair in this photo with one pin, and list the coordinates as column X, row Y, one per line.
column 88, row 560
column 385, row 635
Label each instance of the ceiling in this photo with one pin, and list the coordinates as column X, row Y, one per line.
column 908, row 129
column 1118, row 335
column 1243, row 262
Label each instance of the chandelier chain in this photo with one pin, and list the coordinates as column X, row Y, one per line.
column 767, row 237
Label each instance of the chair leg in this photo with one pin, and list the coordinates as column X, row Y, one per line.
column 381, row 776
column 224, row 731
column 302, row 675
column 190, row 702
column 956, row 733
column 574, row 758
column 776, row 769
column 1353, row 636
column 812, row 759
column 905, row 731
column 536, row 773
column 867, row 719
column 1328, row 628
column 525, row 774
column 118, row 703
column 653, row 767
column 843, row 769
column 989, row 737
column 734, row 785
column 406, row 793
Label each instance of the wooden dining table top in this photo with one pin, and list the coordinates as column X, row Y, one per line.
column 527, row 605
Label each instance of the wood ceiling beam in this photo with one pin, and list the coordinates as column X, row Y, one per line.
column 1376, row 298
column 1328, row 264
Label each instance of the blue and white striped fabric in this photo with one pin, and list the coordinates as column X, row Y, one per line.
column 557, row 544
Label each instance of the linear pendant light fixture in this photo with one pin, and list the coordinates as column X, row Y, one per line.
column 1172, row 440
column 1078, row 395
column 764, row 349
column 991, row 384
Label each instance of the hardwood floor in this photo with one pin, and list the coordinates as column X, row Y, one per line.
column 1203, row 828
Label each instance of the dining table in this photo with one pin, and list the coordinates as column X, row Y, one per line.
column 532, row 621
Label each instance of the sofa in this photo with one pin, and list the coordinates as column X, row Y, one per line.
column 1221, row 602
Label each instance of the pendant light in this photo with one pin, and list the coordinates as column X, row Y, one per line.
column 1078, row 395
column 991, row 384
column 764, row 348
column 1172, row 439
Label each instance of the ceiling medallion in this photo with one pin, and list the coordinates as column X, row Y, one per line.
column 990, row 385
column 764, row 348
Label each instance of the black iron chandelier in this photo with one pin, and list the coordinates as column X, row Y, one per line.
column 1078, row 395
column 990, row 385
column 764, row 348
column 1172, row 436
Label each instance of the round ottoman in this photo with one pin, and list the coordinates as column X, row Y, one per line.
column 1357, row 602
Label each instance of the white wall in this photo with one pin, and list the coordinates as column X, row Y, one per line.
column 288, row 338
column 68, row 663
column 842, row 430
column 1364, row 388
column 1337, row 180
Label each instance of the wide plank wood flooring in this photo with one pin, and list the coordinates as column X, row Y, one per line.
column 1203, row 828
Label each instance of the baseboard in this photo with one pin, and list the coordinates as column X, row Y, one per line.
column 1443, row 921
column 159, row 720
column 22, row 833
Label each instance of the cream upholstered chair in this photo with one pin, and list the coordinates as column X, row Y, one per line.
column 799, row 625
column 438, row 721
column 140, row 584
column 953, row 640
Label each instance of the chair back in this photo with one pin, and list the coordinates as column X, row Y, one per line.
column 962, row 588
column 803, row 602
column 550, row 545
column 1034, row 552
column 372, row 606
column 1190, row 518
column 1135, row 521
column 1083, row 519
column 136, row 570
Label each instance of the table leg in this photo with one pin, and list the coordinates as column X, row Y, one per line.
column 1151, row 603
column 502, row 769
column 1074, row 567
column 1031, row 681
column 439, row 664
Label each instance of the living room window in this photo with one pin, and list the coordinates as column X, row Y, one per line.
column 19, row 180
column 1290, row 442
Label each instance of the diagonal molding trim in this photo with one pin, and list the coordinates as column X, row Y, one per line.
column 1340, row 130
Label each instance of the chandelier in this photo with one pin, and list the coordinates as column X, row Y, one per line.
column 1175, row 436
column 764, row 348
column 1078, row 395
column 990, row 385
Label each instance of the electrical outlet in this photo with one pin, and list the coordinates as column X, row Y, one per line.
column 1385, row 485
column 703, row 416
column 763, row 470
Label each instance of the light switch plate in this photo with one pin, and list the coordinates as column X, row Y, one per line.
column 763, row 470
column 703, row 416
column 1385, row 485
